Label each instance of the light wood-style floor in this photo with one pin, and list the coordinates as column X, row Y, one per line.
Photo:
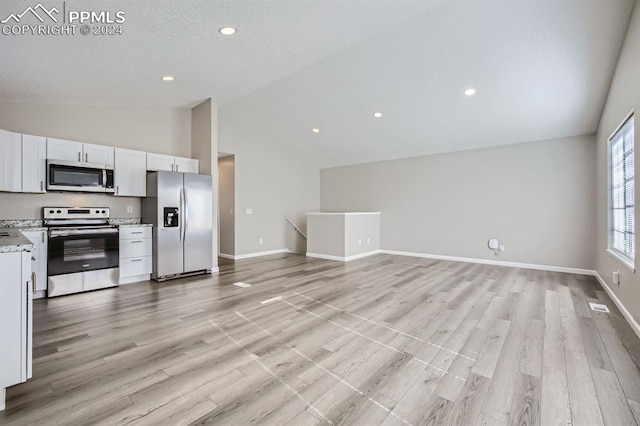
column 383, row 340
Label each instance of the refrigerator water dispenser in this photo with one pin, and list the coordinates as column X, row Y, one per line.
column 170, row 217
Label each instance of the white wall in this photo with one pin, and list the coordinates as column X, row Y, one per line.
column 29, row 206
column 624, row 96
column 204, row 147
column 270, row 180
column 161, row 130
column 537, row 198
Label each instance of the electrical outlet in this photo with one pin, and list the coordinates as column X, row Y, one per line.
column 260, row 241
column 359, row 242
column 129, row 209
column 249, row 211
column 368, row 240
column 616, row 278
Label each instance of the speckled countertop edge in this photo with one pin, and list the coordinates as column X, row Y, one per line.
column 38, row 225
column 15, row 242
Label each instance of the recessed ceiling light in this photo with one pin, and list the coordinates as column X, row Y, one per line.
column 167, row 78
column 470, row 91
column 377, row 114
column 227, row 31
column 315, row 130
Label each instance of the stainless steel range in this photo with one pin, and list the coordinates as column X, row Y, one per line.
column 83, row 251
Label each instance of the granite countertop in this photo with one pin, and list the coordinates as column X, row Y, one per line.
column 38, row 224
column 12, row 240
column 24, row 224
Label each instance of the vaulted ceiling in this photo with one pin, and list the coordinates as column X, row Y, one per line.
column 541, row 69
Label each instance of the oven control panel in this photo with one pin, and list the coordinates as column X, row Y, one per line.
column 76, row 212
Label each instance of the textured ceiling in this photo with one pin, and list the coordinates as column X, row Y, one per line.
column 180, row 38
column 542, row 69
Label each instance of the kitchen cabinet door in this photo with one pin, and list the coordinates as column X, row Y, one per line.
column 38, row 257
column 130, row 173
column 34, row 163
column 10, row 161
column 16, row 317
column 157, row 162
column 60, row 149
column 98, row 154
column 186, row 165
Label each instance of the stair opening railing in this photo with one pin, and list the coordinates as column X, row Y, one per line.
column 296, row 228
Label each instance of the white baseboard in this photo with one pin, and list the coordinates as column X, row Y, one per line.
column 341, row 258
column 627, row 315
column 494, row 262
column 215, row 270
column 251, row 255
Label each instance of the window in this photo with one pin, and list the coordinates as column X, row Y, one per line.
column 621, row 193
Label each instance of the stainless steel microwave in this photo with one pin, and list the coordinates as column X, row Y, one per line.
column 83, row 177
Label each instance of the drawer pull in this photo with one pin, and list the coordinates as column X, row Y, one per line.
column 136, row 260
column 133, row 242
column 139, row 232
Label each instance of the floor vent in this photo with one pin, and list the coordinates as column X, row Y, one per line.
column 599, row 307
column 243, row 285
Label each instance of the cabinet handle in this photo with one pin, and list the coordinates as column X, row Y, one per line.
column 177, row 167
column 41, row 186
column 134, row 242
column 33, row 282
column 79, row 159
column 137, row 232
column 172, row 167
column 136, row 260
column 86, row 158
column 117, row 189
column 42, row 237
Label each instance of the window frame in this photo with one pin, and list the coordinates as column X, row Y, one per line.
column 621, row 256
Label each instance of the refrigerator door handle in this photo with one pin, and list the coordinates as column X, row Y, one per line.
column 185, row 214
column 181, row 215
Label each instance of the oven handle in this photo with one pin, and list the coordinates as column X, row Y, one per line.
column 67, row 232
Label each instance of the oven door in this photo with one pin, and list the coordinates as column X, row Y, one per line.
column 78, row 250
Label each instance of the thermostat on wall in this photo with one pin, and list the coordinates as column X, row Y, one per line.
column 494, row 244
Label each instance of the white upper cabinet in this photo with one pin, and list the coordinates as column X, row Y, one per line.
column 60, row 149
column 170, row 163
column 98, row 154
column 157, row 162
column 187, row 165
column 34, row 159
column 130, row 173
column 10, row 161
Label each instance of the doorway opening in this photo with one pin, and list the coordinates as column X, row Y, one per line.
column 226, row 205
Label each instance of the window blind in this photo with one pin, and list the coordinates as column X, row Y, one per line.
column 622, row 211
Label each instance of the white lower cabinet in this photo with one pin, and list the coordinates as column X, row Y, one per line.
column 16, row 317
column 136, row 251
column 39, row 260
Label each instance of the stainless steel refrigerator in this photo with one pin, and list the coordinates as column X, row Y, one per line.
column 180, row 207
